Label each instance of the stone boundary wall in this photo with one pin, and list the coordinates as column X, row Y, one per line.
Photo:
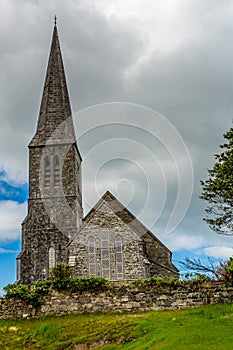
column 121, row 299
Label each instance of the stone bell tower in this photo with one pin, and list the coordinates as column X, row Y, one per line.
column 55, row 199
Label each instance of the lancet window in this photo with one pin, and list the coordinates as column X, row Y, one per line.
column 91, row 256
column 119, row 257
column 52, row 257
column 105, row 255
column 56, row 171
column 47, row 172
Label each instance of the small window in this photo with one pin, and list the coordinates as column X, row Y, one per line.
column 46, row 172
column 56, row 172
column 18, row 269
column 52, row 257
column 51, row 213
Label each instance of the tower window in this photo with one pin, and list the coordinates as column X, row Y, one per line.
column 46, row 172
column 56, row 172
column 18, row 270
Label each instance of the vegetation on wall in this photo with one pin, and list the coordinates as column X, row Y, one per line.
column 60, row 279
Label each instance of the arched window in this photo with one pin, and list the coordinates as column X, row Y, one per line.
column 56, row 171
column 91, row 256
column 105, row 255
column 52, row 257
column 46, row 172
column 119, row 257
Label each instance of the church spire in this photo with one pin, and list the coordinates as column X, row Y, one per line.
column 55, row 123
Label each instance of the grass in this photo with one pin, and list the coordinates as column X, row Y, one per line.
column 208, row 327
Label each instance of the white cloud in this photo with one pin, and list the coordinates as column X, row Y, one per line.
column 7, row 251
column 11, row 216
column 180, row 241
column 219, row 252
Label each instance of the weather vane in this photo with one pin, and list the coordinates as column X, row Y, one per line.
column 55, row 20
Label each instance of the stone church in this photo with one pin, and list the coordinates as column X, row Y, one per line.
column 109, row 241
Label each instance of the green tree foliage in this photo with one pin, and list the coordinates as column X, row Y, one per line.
column 218, row 189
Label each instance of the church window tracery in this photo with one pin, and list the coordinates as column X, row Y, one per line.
column 92, row 256
column 119, row 257
column 105, row 255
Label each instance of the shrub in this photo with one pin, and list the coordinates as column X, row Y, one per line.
column 20, row 291
column 42, row 287
column 195, row 277
column 229, row 269
column 61, row 271
column 158, row 281
column 80, row 284
column 226, row 271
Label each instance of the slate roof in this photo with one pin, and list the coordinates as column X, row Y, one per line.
column 55, row 123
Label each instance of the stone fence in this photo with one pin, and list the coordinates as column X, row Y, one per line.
column 121, row 299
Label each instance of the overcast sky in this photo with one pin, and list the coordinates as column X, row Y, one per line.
column 174, row 57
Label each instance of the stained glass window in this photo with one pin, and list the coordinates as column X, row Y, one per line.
column 91, row 256
column 105, row 254
column 119, row 257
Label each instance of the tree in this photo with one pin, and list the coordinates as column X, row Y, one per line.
column 218, row 189
column 211, row 268
column 220, row 270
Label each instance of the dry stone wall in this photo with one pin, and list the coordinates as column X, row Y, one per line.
column 121, row 299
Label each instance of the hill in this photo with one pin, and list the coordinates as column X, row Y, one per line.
column 208, row 327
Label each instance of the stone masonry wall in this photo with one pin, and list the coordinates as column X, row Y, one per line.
column 121, row 299
column 103, row 221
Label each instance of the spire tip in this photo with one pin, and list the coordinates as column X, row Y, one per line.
column 55, row 20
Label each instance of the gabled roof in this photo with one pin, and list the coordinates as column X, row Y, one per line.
column 122, row 212
column 55, row 109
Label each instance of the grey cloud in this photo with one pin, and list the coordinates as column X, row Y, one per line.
column 112, row 59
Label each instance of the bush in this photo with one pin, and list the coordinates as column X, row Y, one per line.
column 80, row 284
column 195, row 277
column 226, row 271
column 20, row 291
column 42, row 287
column 229, row 269
column 61, row 271
column 158, row 281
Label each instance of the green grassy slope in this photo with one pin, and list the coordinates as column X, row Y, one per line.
column 208, row 327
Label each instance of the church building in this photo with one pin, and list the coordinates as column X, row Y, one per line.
column 109, row 241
